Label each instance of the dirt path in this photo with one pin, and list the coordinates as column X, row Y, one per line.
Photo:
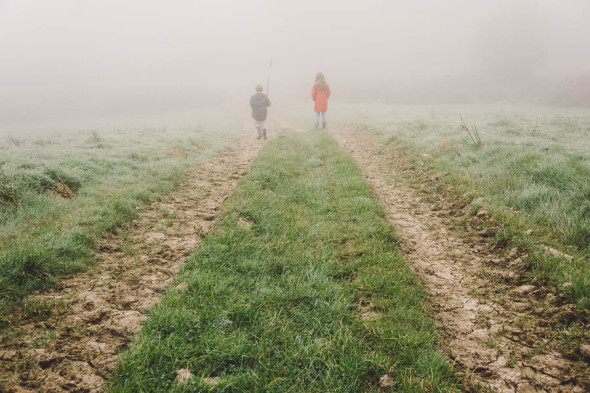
column 93, row 315
column 489, row 326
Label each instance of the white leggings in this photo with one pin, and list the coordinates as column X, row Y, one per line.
column 317, row 117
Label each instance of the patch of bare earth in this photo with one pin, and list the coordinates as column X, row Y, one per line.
column 489, row 323
column 91, row 317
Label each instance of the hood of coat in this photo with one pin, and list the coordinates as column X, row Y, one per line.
column 259, row 98
column 319, row 86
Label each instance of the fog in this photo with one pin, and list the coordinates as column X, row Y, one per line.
column 64, row 59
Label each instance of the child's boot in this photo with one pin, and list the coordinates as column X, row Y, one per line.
column 317, row 125
column 264, row 133
column 259, row 129
column 323, row 125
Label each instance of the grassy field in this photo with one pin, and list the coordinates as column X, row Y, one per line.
column 531, row 170
column 299, row 288
column 59, row 194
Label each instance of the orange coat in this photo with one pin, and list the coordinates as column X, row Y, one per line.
column 320, row 97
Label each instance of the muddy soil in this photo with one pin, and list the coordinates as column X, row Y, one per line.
column 75, row 344
column 491, row 329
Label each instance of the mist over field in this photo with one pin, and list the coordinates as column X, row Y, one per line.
column 72, row 62
column 432, row 233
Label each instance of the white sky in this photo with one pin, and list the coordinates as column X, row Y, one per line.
column 73, row 51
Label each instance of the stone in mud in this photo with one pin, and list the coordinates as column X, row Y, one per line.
column 516, row 263
column 513, row 252
column 155, row 237
column 437, row 176
column 523, row 289
column 183, row 286
column 243, row 223
column 386, row 381
column 557, row 253
column 183, row 375
column 85, row 377
column 7, row 355
column 482, row 213
column 476, row 201
column 520, row 306
column 96, row 347
column 491, row 231
column 95, row 316
column 508, row 276
column 127, row 322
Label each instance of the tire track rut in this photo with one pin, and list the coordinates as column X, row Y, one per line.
column 94, row 314
column 488, row 327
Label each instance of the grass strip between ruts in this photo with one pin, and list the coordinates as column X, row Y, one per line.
column 300, row 288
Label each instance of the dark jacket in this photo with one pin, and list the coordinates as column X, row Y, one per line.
column 259, row 102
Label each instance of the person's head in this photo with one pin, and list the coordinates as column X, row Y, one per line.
column 258, row 88
column 321, row 79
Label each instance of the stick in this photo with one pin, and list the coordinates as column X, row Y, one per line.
column 268, row 80
column 473, row 132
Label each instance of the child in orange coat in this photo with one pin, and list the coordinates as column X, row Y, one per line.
column 320, row 94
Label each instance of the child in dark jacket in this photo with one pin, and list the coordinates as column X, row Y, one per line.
column 259, row 103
